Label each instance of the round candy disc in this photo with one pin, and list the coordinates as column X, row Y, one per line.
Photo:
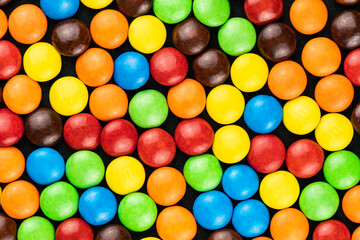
column 345, row 29
column 212, row 13
column 331, row 230
column 3, row 23
column 352, row 66
column 96, row 4
column 12, row 163
column 113, row 232
column 11, row 128
column 36, row 228
column 226, row 233
column 263, row 11
column 10, row 60
column 172, row 11
column 59, row 10
column 8, row 227
column 349, row 204
column 74, row 229
column 134, row 9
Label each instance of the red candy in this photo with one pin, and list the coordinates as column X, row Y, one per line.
column 10, row 60
column 194, row 136
column 11, row 127
column 267, row 153
column 304, row 158
column 156, row 147
column 261, row 12
column 74, row 229
column 331, row 230
column 168, row 66
column 82, row 132
column 119, row 138
column 352, row 66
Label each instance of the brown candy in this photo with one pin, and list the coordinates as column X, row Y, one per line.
column 4, row 2
column 211, row 68
column 43, row 127
column 191, row 37
column 113, row 232
column 348, row 2
column 277, row 42
column 71, row 37
column 355, row 118
column 8, row 227
column 225, row 234
column 345, row 29
column 134, row 8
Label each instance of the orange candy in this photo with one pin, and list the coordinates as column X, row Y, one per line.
column 166, row 186
column 262, row 238
column 3, row 23
column 176, row 223
column 27, row 24
column 308, row 16
column 12, row 164
column 187, row 99
column 334, row 93
column 321, row 56
column 95, row 67
column 287, row 80
column 108, row 102
column 21, row 94
column 356, row 234
column 350, row 204
column 109, row 29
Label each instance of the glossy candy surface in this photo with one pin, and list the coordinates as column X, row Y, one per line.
column 345, row 29
column 352, row 66
column 12, row 164
column 212, row 13
column 3, row 23
column 135, row 8
column 349, row 204
column 172, row 11
column 263, row 11
column 96, row 4
column 59, row 10
column 10, row 60
column 225, row 234
column 4, row 2
column 74, row 229
column 113, row 232
column 331, row 230
column 11, row 127
column 8, row 227
column 36, row 228
column 355, row 118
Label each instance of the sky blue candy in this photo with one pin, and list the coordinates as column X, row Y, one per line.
column 45, row 166
column 131, row 70
column 263, row 114
column 251, row 218
column 240, row 182
column 59, row 9
column 213, row 210
column 97, row 206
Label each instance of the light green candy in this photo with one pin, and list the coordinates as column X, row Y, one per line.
column 212, row 13
column 172, row 11
column 36, row 228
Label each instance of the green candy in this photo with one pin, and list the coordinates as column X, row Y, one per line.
column 237, row 36
column 59, row 201
column 342, row 169
column 36, row 228
column 172, row 11
column 85, row 169
column 319, row 201
column 203, row 172
column 137, row 211
column 148, row 109
column 212, row 13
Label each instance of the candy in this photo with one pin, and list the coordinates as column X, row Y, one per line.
column 45, row 166
column 10, row 60
column 345, row 29
column 231, row 144
column 331, row 230
column 213, row 210
column 36, row 228
column 8, row 227
column 11, row 127
column 125, row 175
column 12, row 163
column 263, row 114
column 347, row 2
column 74, row 229
column 355, row 118
column 262, row 238
column 3, row 23
column 59, row 10
column 96, row 4
column 211, row 68
column 212, row 13
column 349, row 204
column 113, row 232
column 135, row 8
column 203, row 172
column 43, row 127
column 156, row 147
column 4, row 2
column 352, row 66
column 172, row 11
column 263, row 11
column 356, row 234
column 137, row 211
column 225, row 234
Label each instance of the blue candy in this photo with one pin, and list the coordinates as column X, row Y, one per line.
column 59, row 9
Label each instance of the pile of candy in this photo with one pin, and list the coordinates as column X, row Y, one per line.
column 114, row 119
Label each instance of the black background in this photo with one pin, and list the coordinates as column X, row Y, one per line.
column 237, row 10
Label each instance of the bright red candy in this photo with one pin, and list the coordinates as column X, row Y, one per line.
column 82, row 132
column 267, row 153
column 119, row 138
column 74, row 229
column 261, row 12
column 10, row 60
column 168, row 66
column 11, row 127
column 194, row 136
column 304, row 158
column 352, row 66
column 156, row 147
column 331, row 230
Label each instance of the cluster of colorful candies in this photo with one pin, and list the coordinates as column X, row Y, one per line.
column 194, row 136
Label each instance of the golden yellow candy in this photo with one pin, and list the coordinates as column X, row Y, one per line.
column 96, row 4
column 279, row 190
column 231, row 144
column 301, row 115
column 225, row 104
column 147, row 34
column 68, row 96
column 249, row 72
column 42, row 62
column 125, row 175
column 334, row 132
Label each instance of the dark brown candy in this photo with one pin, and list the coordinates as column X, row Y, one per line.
column 277, row 42
column 348, row 2
column 113, row 232
column 211, row 68
column 4, row 2
column 8, row 228
column 71, row 37
column 225, row 234
column 134, row 8
column 191, row 37
column 355, row 118
column 43, row 127
column 345, row 29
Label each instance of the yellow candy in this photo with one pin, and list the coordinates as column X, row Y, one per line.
column 334, row 132
column 147, row 34
column 301, row 115
column 42, row 62
column 279, row 190
column 68, row 96
column 125, row 175
column 96, row 4
column 231, row 144
column 225, row 104
column 249, row 72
